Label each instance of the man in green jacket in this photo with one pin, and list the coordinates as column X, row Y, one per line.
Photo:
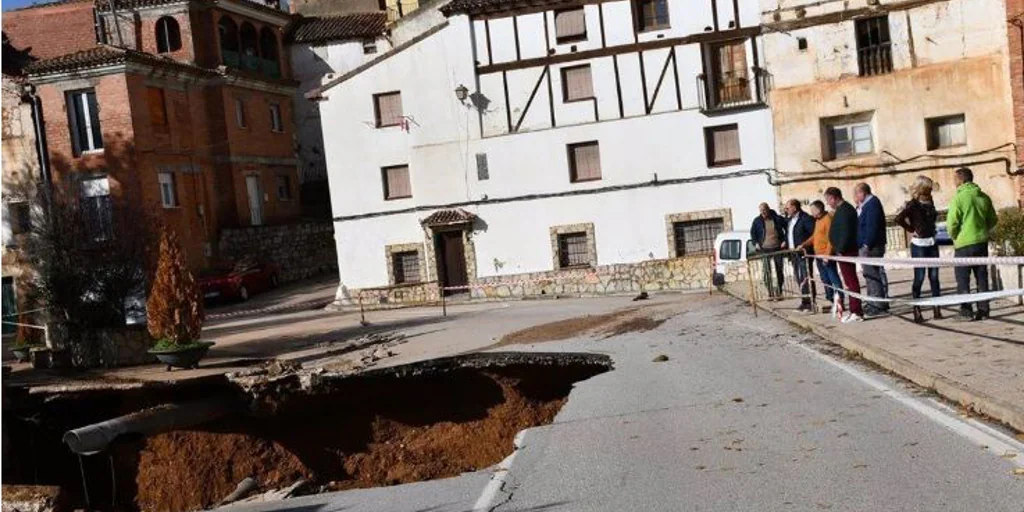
column 970, row 219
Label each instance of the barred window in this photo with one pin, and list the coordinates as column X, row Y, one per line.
column 406, row 267
column 387, row 108
column 570, row 25
column 572, row 250
column 697, row 237
column 874, row 47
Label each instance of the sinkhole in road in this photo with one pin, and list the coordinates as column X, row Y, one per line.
column 409, row 423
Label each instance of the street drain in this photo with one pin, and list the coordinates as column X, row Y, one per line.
column 390, row 426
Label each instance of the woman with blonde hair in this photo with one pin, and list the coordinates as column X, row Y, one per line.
column 918, row 217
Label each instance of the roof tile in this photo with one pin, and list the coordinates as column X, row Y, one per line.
column 333, row 28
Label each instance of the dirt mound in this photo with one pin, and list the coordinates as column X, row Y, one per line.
column 607, row 325
column 369, row 432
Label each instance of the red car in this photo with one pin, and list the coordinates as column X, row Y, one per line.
column 238, row 281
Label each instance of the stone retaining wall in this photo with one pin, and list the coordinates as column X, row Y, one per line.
column 302, row 250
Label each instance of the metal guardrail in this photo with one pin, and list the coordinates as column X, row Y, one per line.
column 773, row 277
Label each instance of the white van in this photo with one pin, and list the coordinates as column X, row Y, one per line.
column 731, row 248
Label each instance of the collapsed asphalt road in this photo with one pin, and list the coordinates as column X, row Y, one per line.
column 739, row 414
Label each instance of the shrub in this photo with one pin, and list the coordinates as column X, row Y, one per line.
column 174, row 310
column 1008, row 236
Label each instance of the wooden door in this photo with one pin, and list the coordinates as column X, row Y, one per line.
column 452, row 260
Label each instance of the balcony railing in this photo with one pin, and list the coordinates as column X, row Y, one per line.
column 875, row 60
column 717, row 94
column 232, row 59
column 270, row 68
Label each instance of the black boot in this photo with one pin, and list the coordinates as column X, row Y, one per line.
column 918, row 317
column 937, row 313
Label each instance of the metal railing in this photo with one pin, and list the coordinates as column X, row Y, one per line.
column 774, row 276
column 875, row 60
column 743, row 92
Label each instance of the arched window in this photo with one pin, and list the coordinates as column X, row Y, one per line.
column 268, row 53
column 228, row 42
column 250, row 46
column 168, row 35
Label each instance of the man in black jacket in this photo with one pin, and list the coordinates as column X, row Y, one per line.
column 843, row 237
column 800, row 228
column 768, row 232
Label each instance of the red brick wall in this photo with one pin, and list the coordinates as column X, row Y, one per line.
column 1015, row 11
column 52, row 31
column 148, row 41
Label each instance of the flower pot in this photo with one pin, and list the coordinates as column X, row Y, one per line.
column 185, row 357
column 21, row 354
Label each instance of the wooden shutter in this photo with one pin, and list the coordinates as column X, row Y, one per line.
column 723, row 145
column 577, row 83
column 396, row 182
column 731, row 72
column 389, row 108
column 586, row 161
column 157, row 107
column 570, row 25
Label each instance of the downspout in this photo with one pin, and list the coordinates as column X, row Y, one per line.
column 37, row 122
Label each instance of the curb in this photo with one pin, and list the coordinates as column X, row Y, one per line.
column 309, row 304
column 950, row 389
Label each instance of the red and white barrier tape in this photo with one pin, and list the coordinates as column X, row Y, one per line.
column 945, row 300
column 923, row 262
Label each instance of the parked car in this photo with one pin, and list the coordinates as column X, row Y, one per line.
column 238, row 281
column 731, row 248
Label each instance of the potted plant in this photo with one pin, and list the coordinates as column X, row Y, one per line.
column 174, row 310
column 25, row 339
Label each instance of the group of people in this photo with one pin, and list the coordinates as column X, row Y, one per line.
column 837, row 228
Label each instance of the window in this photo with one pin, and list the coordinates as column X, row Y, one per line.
column 482, row 172
column 874, row 48
column 284, row 187
column 84, row 119
column 577, row 84
column 584, row 162
column 396, row 182
column 946, row 132
column 157, row 107
column 228, row 31
column 570, row 25
column 572, row 250
column 268, row 53
column 168, row 35
column 275, row 118
column 249, row 39
column 722, row 144
column 697, row 237
column 651, row 14
column 97, row 208
column 730, row 83
column 387, row 109
column 730, row 250
column 168, row 190
column 849, row 136
column 369, row 46
column 240, row 119
column 20, row 217
column 406, row 265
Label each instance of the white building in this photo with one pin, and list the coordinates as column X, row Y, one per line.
column 526, row 147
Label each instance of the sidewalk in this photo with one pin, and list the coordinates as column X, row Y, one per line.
column 979, row 365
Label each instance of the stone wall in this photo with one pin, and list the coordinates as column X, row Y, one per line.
column 302, row 250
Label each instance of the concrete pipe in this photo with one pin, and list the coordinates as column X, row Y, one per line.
column 94, row 438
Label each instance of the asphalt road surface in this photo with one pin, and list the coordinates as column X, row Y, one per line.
column 746, row 414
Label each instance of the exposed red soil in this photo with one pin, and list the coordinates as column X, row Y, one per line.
column 635, row 324
column 606, row 325
column 390, row 432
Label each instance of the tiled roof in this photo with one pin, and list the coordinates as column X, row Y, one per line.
column 493, row 6
column 333, row 28
column 102, row 56
column 448, row 217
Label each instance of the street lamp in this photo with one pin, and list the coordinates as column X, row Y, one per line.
column 461, row 92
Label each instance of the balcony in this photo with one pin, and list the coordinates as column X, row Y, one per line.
column 718, row 95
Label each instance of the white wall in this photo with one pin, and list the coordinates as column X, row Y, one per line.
column 445, row 135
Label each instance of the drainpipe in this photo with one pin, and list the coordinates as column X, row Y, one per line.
column 94, row 438
column 29, row 92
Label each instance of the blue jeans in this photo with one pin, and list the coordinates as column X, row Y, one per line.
column 829, row 271
column 919, row 272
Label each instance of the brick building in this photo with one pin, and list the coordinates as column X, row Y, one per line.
column 182, row 105
column 1015, row 29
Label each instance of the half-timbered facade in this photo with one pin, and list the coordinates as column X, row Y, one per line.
column 573, row 144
